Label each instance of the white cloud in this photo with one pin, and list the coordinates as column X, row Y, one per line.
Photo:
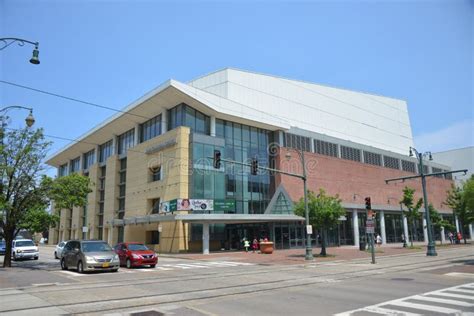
column 457, row 135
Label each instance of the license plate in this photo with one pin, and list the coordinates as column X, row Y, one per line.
column 105, row 265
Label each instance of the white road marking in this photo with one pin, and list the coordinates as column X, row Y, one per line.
column 461, row 275
column 441, row 300
column 443, row 296
column 431, row 308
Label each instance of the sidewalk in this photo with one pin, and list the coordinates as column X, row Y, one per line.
column 297, row 256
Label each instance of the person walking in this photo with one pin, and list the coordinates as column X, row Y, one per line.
column 404, row 241
column 255, row 244
column 450, row 236
column 379, row 240
column 246, row 245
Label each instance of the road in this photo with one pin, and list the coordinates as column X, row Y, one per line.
column 411, row 284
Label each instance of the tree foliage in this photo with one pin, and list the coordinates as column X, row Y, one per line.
column 459, row 199
column 412, row 211
column 22, row 186
column 438, row 221
column 70, row 191
column 324, row 212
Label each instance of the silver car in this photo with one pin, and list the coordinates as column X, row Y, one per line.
column 58, row 252
column 89, row 255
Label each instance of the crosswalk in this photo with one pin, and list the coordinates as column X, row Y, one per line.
column 457, row 300
column 173, row 267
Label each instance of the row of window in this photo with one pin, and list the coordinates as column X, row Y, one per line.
column 353, row 154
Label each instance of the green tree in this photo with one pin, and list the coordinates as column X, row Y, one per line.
column 438, row 221
column 458, row 200
column 70, row 191
column 22, row 188
column 324, row 213
column 413, row 210
column 38, row 219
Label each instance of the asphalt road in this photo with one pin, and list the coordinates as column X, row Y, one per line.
column 190, row 287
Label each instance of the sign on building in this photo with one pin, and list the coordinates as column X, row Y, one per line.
column 224, row 205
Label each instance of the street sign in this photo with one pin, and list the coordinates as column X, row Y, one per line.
column 85, row 229
column 370, row 214
column 369, row 226
column 369, row 230
column 342, row 218
column 309, row 229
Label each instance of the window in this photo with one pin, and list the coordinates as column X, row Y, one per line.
column 350, row 153
column 155, row 173
column 102, row 173
column 391, row 162
column 63, row 170
column 126, row 141
column 435, row 170
column 75, row 165
column 297, row 142
column 155, row 206
column 105, row 151
column 184, row 115
column 372, row 158
column 122, row 184
column 150, row 128
column 89, row 159
column 408, row 166
column 325, row 148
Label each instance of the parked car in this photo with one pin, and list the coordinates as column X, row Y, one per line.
column 3, row 247
column 89, row 255
column 24, row 249
column 58, row 251
column 134, row 254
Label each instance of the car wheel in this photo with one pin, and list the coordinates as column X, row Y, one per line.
column 80, row 267
column 152, row 266
column 115, row 270
column 36, row 258
column 55, row 255
column 129, row 264
column 63, row 264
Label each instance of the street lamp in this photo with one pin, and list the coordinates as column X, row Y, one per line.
column 431, row 249
column 309, row 249
column 29, row 120
column 7, row 41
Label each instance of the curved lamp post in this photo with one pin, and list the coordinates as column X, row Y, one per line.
column 7, row 41
column 29, row 120
column 431, row 249
column 309, row 249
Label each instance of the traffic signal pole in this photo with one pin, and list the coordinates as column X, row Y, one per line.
column 370, row 230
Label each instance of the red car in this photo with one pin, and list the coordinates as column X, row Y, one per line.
column 135, row 254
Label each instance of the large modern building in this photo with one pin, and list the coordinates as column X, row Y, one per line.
column 154, row 180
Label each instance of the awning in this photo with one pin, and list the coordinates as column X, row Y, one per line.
column 208, row 218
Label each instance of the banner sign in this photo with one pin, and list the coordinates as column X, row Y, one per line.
column 169, row 206
column 224, row 205
column 195, row 205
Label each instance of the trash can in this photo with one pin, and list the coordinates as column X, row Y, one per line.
column 362, row 246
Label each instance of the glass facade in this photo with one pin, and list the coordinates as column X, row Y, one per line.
column 184, row 115
column 125, row 141
column 242, row 143
column 150, row 129
column 63, row 170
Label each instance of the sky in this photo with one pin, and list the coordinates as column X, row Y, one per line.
column 113, row 52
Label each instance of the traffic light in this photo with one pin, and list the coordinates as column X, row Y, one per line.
column 217, row 159
column 368, row 205
column 254, row 166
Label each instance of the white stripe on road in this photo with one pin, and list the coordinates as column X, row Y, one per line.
column 442, row 296
column 461, row 275
column 384, row 311
column 439, row 293
column 430, row 308
column 441, row 300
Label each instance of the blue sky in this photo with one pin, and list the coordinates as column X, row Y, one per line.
column 112, row 52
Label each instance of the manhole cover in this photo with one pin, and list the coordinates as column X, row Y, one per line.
column 402, row 279
column 147, row 313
